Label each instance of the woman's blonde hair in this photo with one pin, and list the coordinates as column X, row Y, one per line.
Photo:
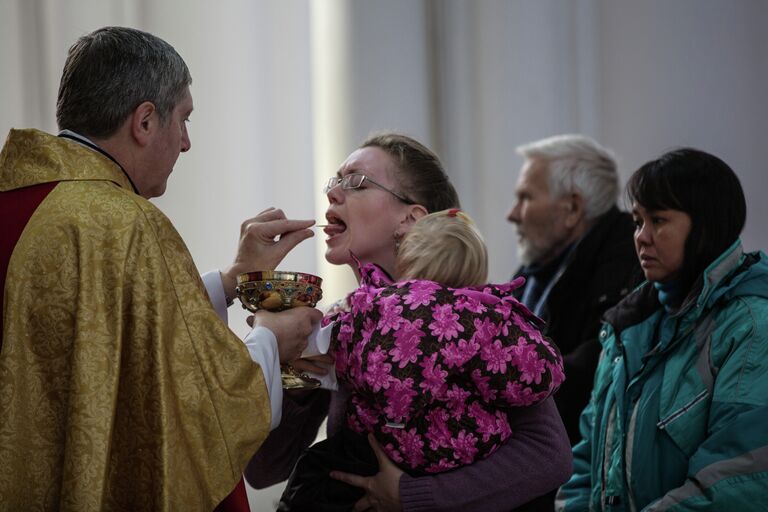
column 444, row 247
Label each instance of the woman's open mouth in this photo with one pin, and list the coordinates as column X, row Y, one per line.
column 335, row 226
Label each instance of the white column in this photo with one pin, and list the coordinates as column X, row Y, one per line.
column 371, row 72
column 510, row 73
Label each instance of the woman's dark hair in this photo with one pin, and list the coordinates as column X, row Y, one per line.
column 419, row 171
column 704, row 187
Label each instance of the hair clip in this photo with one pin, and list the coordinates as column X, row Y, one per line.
column 453, row 211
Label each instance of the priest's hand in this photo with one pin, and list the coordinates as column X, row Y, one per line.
column 264, row 241
column 291, row 328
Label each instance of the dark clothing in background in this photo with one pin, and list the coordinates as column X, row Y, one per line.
column 595, row 275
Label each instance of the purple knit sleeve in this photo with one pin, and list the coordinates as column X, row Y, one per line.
column 535, row 460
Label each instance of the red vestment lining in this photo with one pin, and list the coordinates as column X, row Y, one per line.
column 16, row 207
column 237, row 501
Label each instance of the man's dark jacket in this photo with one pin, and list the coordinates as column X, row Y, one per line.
column 600, row 272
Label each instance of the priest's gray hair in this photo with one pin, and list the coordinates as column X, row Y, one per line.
column 113, row 70
column 577, row 163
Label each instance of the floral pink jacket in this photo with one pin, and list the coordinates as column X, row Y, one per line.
column 434, row 370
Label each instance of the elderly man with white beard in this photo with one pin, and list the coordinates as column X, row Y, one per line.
column 576, row 251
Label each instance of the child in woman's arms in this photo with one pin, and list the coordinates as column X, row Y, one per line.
column 433, row 364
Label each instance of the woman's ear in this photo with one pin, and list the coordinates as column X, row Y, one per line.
column 414, row 213
column 144, row 120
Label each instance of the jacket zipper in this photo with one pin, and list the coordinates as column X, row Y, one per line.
column 675, row 415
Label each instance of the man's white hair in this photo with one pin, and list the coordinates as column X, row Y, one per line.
column 577, row 163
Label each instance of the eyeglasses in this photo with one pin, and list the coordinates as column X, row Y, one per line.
column 355, row 180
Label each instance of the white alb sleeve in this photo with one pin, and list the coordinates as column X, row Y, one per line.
column 215, row 289
column 318, row 343
column 319, row 340
column 262, row 345
column 260, row 342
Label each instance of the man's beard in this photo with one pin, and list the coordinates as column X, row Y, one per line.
column 529, row 253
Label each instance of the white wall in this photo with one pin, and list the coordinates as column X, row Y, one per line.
column 251, row 129
column 689, row 73
column 511, row 72
column 641, row 77
column 289, row 88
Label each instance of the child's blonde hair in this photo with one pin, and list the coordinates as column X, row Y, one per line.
column 444, row 247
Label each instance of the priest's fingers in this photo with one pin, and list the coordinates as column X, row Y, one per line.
column 270, row 213
column 270, row 224
column 291, row 328
column 267, row 215
column 263, row 245
column 291, row 239
column 267, row 231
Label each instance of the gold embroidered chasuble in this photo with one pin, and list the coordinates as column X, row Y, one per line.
column 120, row 388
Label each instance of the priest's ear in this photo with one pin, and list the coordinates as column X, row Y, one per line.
column 144, row 121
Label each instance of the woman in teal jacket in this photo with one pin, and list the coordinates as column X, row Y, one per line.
column 678, row 418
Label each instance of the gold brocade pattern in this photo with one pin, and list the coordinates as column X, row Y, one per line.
column 120, row 388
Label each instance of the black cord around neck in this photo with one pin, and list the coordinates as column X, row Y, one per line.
column 86, row 142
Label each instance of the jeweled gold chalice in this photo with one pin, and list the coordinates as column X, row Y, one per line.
column 278, row 290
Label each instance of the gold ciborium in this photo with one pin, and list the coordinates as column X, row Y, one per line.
column 278, row 290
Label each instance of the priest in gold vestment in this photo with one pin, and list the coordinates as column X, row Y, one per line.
column 120, row 387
